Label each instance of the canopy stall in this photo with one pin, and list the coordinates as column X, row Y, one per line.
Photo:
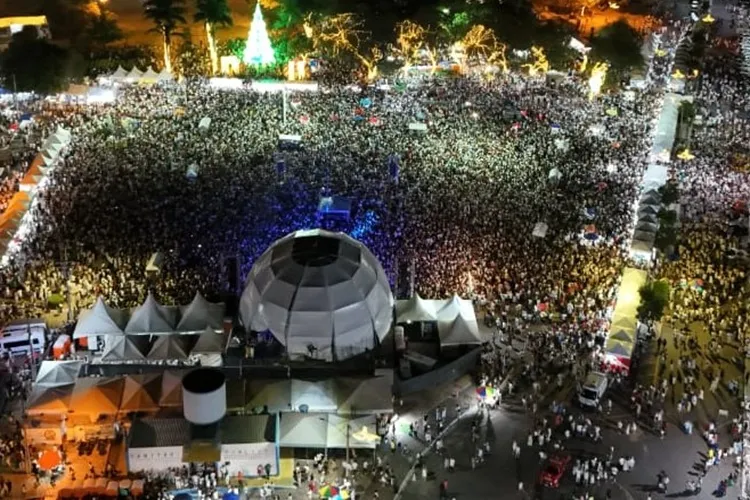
column 622, row 336
column 171, row 389
column 416, row 309
column 125, row 348
column 96, row 396
column 100, row 320
column 151, row 317
column 200, row 315
column 49, row 401
column 457, row 323
column 210, row 342
column 141, row 393
column 171, row 347
column 57, row 373
column 302, row 430
column 666, row 129
column 316, row 396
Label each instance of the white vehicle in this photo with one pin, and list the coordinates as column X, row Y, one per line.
column 19, row 337
column 593, row 389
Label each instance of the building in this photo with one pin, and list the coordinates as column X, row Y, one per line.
column 9, row 26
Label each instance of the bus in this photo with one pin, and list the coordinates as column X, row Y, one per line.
column 22, row 336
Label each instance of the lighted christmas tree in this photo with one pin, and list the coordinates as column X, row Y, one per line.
column 258, row 50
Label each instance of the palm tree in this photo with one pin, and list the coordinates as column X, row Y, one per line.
column 213, row 14
column 167, row 15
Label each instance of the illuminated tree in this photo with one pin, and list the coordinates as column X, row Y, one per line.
column 335, row 34
column 258, row 51
column 370, row 60
column 213, row 14
column 481, row 45
column 539, row 65
column 167, row 15
column 597, row 78
column 410, row 40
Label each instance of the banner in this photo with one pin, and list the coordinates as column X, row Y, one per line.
column 43, row 435
column 421, row 127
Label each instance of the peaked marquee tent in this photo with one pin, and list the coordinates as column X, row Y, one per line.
column 457, row 323
column 100, row 320
column 151, row 317
column 416, row 309
column 125, row 348
column 170, row 347
column 201, row 314
column 49, row 400
column 141, row 393
column 96, row 396
column 57, row 373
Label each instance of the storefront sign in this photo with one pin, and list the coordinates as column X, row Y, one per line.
column 43, row 435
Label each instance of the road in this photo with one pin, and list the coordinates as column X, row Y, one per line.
column 678, row 454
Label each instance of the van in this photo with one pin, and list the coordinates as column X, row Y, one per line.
column 593, row 389
column 19, row 337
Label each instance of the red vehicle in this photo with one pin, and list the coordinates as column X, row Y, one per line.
column 553, row 471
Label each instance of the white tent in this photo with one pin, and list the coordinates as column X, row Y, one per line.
column 165, row 75
column 201, row 314
column 369, row 395
column 210, row 342
column 57, row 373
column 344, row 432
column 150, row 75
column 125, row 348
column 170, row 347
column 654, row 177
column 134, row 75
column 314, row 396
column 300, row 430
column 457, row 323
column 666, row 129
column 119, row 74
column 415, row 309
column 151, row 317
column 49, row 400
column 99, row 320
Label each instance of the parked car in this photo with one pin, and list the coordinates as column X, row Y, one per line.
column 554, row 470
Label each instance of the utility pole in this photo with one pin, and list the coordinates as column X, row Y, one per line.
column 348, row 436
column 15, row 92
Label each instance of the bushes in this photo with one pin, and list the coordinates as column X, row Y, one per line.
column 654, row 299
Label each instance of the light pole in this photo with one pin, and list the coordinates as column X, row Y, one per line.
column 283, row 105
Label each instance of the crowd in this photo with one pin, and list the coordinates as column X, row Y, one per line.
column 458, row 212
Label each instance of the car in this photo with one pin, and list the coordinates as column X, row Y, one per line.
column 553, row 471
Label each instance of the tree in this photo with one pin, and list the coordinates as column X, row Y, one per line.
column 213, row 14
column 410, row 39
column 619, row 45
column 167, row 15
column 481, row 46
column 654, row 299
column 101, row 31
column 36, row 65
column 670, row 193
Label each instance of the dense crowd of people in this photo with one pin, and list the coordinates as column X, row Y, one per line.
column 458, row 212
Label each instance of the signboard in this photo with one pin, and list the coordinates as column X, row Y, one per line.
column 154, row 459
column 421, row 127
column 246, row 458
column 43, row 435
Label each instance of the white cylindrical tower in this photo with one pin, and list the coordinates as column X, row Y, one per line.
column 204, row 396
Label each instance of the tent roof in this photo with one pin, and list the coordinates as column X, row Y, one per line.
column 622, row 335
column 134, row 73
column 369, row 395
column 316, row 396
column 99, row 320
column 57, row 373
column 165, row 75
column 171, row 347
column 416, row 309
column 457, row 323
column 302, row 430
column 96, row 396
column 150, row 74
column 119, row 73
column 336, row 435
column 210, row 342
column 141, row 393
column 151, row 317
column 49, row 400
column 275, row 394
column 201, row 314
column 645, row 236
column 171, row 388
column 125, row 348
column 619, row 348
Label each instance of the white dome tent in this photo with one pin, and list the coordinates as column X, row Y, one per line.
column 319, row 293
